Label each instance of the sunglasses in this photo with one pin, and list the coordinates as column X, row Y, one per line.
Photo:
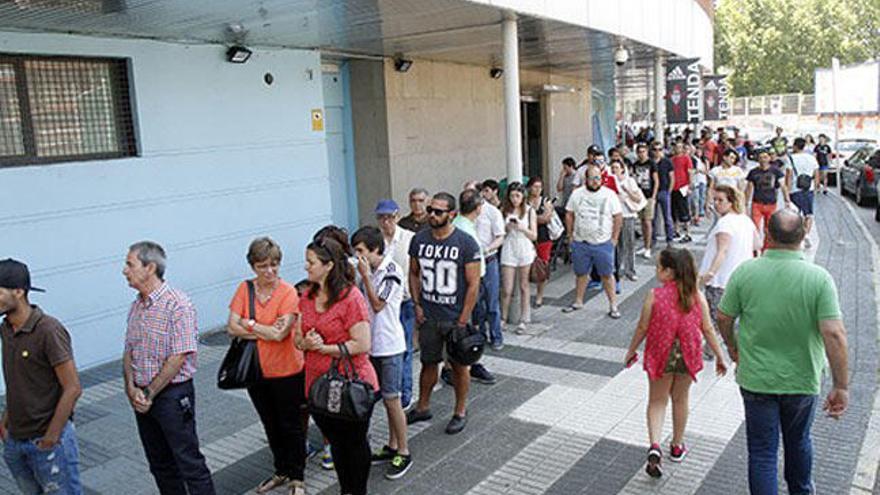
column 595, row 177
column 436, row 211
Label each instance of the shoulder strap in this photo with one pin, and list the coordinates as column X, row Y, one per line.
column 252, row 312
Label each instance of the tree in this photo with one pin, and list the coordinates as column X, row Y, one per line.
column 774, row 46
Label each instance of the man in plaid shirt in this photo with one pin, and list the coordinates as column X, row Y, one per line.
column 159, row 362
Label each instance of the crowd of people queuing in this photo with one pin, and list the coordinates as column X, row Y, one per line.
column 452, row 262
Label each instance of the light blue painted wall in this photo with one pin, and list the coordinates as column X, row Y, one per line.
column 224, row 158
column 339, row 149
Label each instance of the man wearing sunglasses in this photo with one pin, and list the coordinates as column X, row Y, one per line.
column 593, row 220
column 444, row 280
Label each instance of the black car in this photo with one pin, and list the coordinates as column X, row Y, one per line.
column 858, row 176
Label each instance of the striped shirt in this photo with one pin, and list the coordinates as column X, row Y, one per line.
column 159, row 326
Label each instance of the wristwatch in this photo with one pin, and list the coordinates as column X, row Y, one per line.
column 251, row 324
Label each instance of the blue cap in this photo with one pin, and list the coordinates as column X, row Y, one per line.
column 386, row 207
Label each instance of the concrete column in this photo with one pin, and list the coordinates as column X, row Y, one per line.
column 659, row 93
column 512, row 122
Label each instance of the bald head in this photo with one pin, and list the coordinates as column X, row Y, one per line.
column 786, row 229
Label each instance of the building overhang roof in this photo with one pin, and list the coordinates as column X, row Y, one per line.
column 447, row 30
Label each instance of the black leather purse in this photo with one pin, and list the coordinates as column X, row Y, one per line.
column 241, row 365
column 342, row 395
column 465, row 345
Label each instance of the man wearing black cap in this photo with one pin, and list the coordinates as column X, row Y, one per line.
column 42, row 387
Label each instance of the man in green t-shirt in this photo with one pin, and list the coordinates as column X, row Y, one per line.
column 789, row 322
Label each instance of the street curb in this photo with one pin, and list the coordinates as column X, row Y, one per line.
column 869, row 455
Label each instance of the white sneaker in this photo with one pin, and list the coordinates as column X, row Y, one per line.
column 521, row 328
column 646, row 254
column 640, row 251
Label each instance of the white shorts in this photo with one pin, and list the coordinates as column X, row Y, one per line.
column 517, row 252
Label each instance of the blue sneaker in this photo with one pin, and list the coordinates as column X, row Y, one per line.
column 617, row 287
column 593, row 284
column 327, row 459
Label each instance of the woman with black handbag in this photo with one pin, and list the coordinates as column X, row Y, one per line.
column 335, row 334
column 265, row 309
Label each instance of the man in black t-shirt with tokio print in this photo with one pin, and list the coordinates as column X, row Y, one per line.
column 444, row 280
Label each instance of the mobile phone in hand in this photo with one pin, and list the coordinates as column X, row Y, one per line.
column 632, row 360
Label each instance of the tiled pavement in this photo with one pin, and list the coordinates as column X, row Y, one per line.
column 564, row 418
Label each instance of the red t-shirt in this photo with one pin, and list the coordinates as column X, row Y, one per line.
column 609, row 180
column 681, row 164
column 333, row 326
column 277, row 359
column 711, row 150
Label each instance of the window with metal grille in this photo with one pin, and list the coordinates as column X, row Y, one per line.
column 57, row 109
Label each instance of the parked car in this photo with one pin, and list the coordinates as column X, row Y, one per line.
column 847, row 146
column 859, row 174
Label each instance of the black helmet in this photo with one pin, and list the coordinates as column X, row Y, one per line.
column 464, row 345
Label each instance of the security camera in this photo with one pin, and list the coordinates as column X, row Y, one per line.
column 621, row 56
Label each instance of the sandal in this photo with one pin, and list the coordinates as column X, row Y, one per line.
column 614, row 314
column 272, row 483
column 296, row 487
column 571, row 308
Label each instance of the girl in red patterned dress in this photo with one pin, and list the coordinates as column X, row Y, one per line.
column 674, row 318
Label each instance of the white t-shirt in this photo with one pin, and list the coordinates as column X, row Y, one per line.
column 803, row 163
column 398, row 250
column 628, row 184
column 742, row 244
column 700, row 173
column 385, row 328
column 593, row 214
column 732, row 176
column 489, row 224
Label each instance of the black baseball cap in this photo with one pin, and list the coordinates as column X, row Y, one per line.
column 594, row 150
column 15, row 275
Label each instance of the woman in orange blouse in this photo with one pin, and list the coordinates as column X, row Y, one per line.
column 279, row 397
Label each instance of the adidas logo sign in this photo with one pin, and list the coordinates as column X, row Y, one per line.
column 711, row 85
column 676, row 75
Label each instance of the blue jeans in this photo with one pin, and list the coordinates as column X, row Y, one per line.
column 408, row 320
column 38, row 471
column 664, row 209
column 698, row 200
column 766, row 416
column 487, row 313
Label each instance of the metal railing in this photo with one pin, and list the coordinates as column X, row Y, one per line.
column 781, row 104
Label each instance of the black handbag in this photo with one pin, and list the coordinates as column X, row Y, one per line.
column 342, row 395
column 802, row 181
column 465, row 345
column 241, row 365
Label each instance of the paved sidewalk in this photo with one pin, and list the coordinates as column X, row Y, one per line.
column 564, row 418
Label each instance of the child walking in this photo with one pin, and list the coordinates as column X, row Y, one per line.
column 674, row 318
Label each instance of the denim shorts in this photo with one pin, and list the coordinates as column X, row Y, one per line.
column 804, row 201
column 585, row 255
column 389, row 369
column 38, row 471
